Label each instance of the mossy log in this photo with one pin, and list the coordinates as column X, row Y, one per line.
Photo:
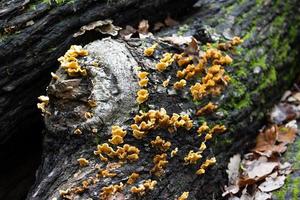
column 264, row 65
column 33, row 33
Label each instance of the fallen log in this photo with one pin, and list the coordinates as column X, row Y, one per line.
column 84, row 106
column 34, row 33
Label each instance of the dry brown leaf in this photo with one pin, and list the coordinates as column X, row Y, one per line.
column 261, row 169
column 259, row 195
column 104, row 27
column 170, row 22
column 232, row 189
column 283, row 112
column 297, row 96
column 266, row 142
column 272, row 183
column 143, row 27
column 158, row 26
column 177, row 40
column 286, row 135
column 233, row 169
column 193, row 47
column 127, row 32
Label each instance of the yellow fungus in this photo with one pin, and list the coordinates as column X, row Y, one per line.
column 142, row 96
column 183, row 196
column 203, row 128
column 161, row 144
column 179, row 84
column 142, row 188
column 108, row 191
column 83, row 162
column 202, row 147
column 88, row 115
column 218, row 129
column 174, row 152
column 192, row 157
column 160, row 162
column 117, row 135
column 132, row 178
column 208, row 136
column 70, row 63
column 208, row 108
column 143, row 79
column 166, row 83
column 149, row 51
column 77, row 131
column 105, row 173
column 161, row 66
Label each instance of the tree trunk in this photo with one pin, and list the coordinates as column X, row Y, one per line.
column 264, row 65
column 35, row 33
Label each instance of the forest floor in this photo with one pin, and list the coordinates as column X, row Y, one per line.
column 271, row 169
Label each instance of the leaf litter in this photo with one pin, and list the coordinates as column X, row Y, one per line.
column 256, row 174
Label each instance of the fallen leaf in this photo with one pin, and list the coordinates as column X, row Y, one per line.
column 261, row 169
column 297, row 96
column 177, row 40
column 286, row 135
column 266, row 142
column 271, row 184
column 259, row 195
column 170, row 22
column 158, row 26
column 193, row 47
column 128, row 32
column 233, row 169
column 104, row 27
column 232, row 189
column 143, row 27
column 283, row 112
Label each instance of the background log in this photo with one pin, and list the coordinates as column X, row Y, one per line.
column 263, row 67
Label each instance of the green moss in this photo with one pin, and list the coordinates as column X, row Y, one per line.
column 296, row 188
column 182, row 30
column 281, row 194
column 260, row 62
column 245, row 102
column 269, row 79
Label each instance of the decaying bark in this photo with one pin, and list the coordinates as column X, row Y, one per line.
column 33, row 34
column 263, row 65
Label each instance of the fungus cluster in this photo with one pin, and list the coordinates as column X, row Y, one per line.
column 105, row 173
column 179, row 84
column 208, row 108
column 150, row 51
column 161, row 144
column 208, row 71
column 142, row 96
column 145, row 186
column 126, row 152
column 69, row 61
column 132, row 178
column 117, row 135
column 44, row 103
column 160, row 163
column 111, row 190
column 205, row 165
column 166, row 61
column 154, row 119
column 143, row 79
column 83, row 162
column 184, row 196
